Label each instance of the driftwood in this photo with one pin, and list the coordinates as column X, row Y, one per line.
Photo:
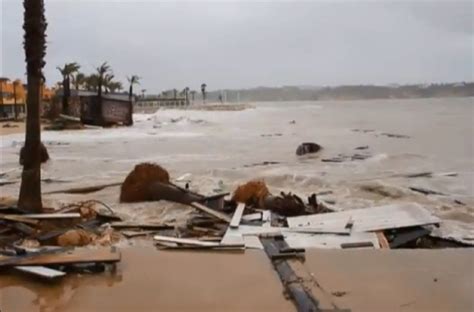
column 85, row 190
column 170, row 192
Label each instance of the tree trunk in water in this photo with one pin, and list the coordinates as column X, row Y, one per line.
column 30, row 191
column 35, row 50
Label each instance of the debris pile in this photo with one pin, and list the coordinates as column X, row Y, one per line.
column 283, row 224
column 44, row 244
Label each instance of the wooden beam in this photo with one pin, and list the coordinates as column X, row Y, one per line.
column 383, row 242
column 214, row 213
column 234, row 223
column 85, row 190
column 194, row 243
column 18, row 218
column 186, row 241
column 42, row 216
column 148, row 226
column 78, row 255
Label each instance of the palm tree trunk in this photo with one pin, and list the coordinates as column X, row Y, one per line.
column 35, row 50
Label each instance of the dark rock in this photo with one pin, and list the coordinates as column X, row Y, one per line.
column 308, row 148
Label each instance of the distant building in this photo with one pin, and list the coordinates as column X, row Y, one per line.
column 15, row 91
column 114, row 108
column 169, row 98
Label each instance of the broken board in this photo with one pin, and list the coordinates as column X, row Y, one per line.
column 234, row 223
column 212, row 212
column 78, row 255
column 368, row 219
column 41, row 271
column 329, row 241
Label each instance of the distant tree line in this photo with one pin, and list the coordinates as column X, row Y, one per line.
column 356, row 92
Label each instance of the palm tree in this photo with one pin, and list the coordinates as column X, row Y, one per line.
column 66, row 71
column 35, row 50
column 108, row 80
column 79, row 80
column 3, row 80
column 203, row 90
column 143, row 93
column 102, row 72
column 186, row 95
column 115, row 86
column 91, row 82
column 16, row 83
column 132, row 80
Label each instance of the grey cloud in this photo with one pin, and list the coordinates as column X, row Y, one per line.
column 245, row 44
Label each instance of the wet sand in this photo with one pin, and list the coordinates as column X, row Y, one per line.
column 396, row 280
column 152, row 280
column 14, row 127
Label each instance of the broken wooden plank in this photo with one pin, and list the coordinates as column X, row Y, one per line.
column 234, row 223
column 186, row 241
column 41, row 271
column 148, row 226
column 252, row 217
column 197, row 244
column 131, row 234
column 85, row 190
column 328, row 241
column 383, row 243
column 368, row 219
column 18, row 218
column 217, row 214
column 43, row 216
column 357, row 245
column 77, row 255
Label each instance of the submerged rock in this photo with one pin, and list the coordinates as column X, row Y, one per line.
column 308, row 148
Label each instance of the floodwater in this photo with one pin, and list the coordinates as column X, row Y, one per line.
column 220, row 149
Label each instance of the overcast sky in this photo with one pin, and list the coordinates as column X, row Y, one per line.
column 246, row 44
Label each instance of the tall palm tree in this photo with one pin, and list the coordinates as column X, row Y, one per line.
column 186, row 95
column 67, row 71
column 102, row 71
column 16, row 83
column 132, row 80
column 35, row 50
column 203, row 91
